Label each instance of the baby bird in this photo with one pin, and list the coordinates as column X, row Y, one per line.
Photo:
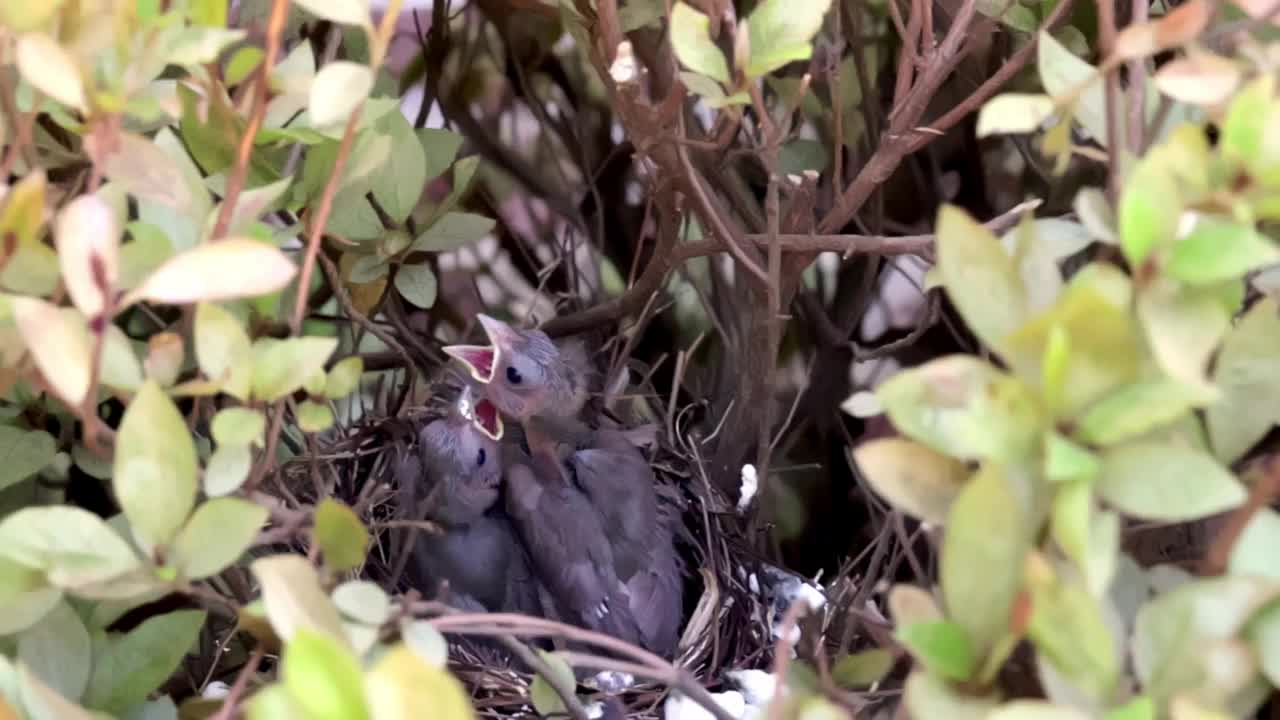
column 479, row 554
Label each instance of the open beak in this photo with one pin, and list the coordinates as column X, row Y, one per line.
column 501, row 335
column 479, row 359
column 486, row 418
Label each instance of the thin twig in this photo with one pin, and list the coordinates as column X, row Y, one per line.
column 228, row 709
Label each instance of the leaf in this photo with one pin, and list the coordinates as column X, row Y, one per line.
column 962, row 407
column 293, row 597
column 1150, row 208
column 439, row 147
column 238, row 426
column 223, row 270
column 164, row 358
column 323, row 677
column 417, row 284
column 979, row 277
column 1095, row 213
column 1135, row 410
column 314, row 417
column 346, row 12
column 1139, row 708
column 910, row 604
column 227, row 469
column 1247, row 372
column 155, row 467
column 1013, row 113
column 941, row 646
column 363, row 601
column 250, row 206
column 781, row 32
column 545, row 699
column 927, row 696
column 134, row 664
column 1178, row 26
column 912, row 477
column 218, row 533
column 1065, row 460
column 338, row 90
column 982, row 554
column 1183, row 326
column 452, row 231
column 146, row 170
column 51, row 69
column 120, row 368
column 223, row 350
column 87, row 235
column 344, row 377
column 398, row 184
column 1062, row 73
column 139, row 257
column 1036, row 710
column 861, row 669
column 57, row 650
column 426, row 642
column 25, row 596
column 1068, row 629
column 340, row 534
column 59, row 343
column 1156, row 481
column 23, row 453
column 40, row 701
column 401, row 684
column 1201, row 78
column 281, row 366
column 691, row 41
column 1254, row 550
column 74, row 547
column 1216, row 250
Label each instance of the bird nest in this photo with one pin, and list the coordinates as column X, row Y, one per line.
column 734, row 602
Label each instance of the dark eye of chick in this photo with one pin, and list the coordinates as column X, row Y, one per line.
column 481, row 456
column 513, row 376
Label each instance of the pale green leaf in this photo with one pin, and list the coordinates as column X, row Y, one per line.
column 1247, row 372
column 323, row 677
column 223, row 350
column 979, row 277
column 1264, row 634
column 340, row 535
column 155, row 467
column 401, row 684
column 238, row 426
column 417, row 284
column 339, row 88
column 42, row 702
column 1157, row 481
column 1184, row 326
column 281, row 366
column 23, row 453
column 249, row 208
column 218, row 533
column 781, row 32
column 346, row 12
column 859, row 669
column 982, row 554
column 439, row 147
column 57, row 650
column 1136, row 409
column 363, row 601
column 25, row 596
column 120, row 368
column 148, row 171
column 1036, row 710
column 136, row 663
column 74, row 547
column 913, row 478
column 344, row 377
column 223, row 270
column 196, row 45
column 293, row 597
column 1013, row 113
column 398, row 184
column 51, row 69
column 941, row 646
column 87, row 235
column 227, row 469
column 1095, row 213
column 545, row 699
column 59, row 343
column 1068, row 629
column 691, row 41
column 927, row 696
column 148, row 249
column 1216, row 249
column 314, row 417
column 1150, row 209
column 452, row 231
column 1062, row 73
column 424, row 640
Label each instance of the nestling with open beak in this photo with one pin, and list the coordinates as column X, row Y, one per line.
column 479, row 554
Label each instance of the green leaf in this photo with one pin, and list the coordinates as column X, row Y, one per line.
column 942, row 647
column 1014, row 113
column 51, row 69
column 1184, row 326
column 911, row 477
column 155, row 467
column 120, row 368
column 293, row 598
column 57, row 650
column 223, row 350
column 338, row 90
column 963, row 407
column 219, row 532
column 224, row 270
column 1036, row 710
column 426, row 642
column 401, row 684
column 58, row 341
column 1062, row 73
column 1264, row 633
column 929, row 696
column 314, row 417
column 692, row 43
column 363, row 601
column 1247, row 372
column 861, row 669
column 344, row 377
column 74, row 547
column 151, row 173
column 40, row 701
column 280, row 367
column 452, row 231
column 417, row 284
column 1150, row 208
column 134, row 664
column 1065, row 460
column 545, row 700
column 1068, row 629
column 1095, row 213
column 1158, row 481
column 1139, row 708
column 242, row 62
column 781, row 32
column 25, row 596
column 1136, row 409
column 148, row 249
column 982, row 554
column 979, row 277
column 227, row 469
column 439, row 147
column 346, row 12
column 1217, row 249
column 238, row 426
column 340, row 535
column 1254, row 550
column 23, row 453
column 87, row 236
column 1245, row 132
column 250, row 206
column 323, row 677
column 398, row 184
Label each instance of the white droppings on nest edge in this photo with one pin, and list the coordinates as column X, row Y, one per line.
column 624, row 69
column 747, row 491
